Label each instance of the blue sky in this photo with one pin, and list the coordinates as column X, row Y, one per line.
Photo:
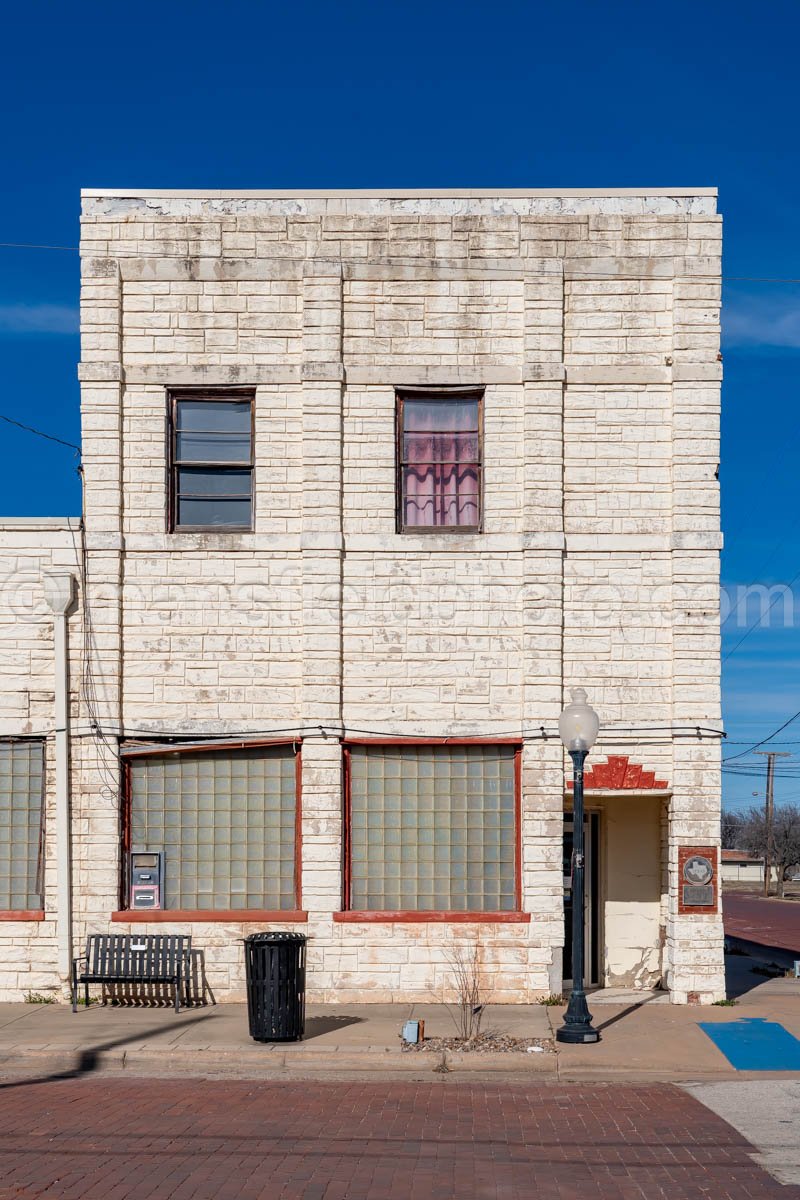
column 441, row 94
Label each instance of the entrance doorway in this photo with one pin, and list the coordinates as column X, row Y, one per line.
column 591, row 923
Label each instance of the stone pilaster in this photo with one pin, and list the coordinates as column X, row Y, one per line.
column 322, row 549
column 694, row 960
column 543, row 542
column 96, row 773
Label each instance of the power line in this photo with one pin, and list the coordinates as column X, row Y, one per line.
column 33, row 246
column 747, row 768
column 745, row 590
column 760, row 618
column 39, row 433
column 763, row 742
column 746, row 742
column 337, row 731
column 758, row 279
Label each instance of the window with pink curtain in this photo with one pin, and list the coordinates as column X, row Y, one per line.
column 440, row 462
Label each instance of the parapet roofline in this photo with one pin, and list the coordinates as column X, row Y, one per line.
column 390, row 193
column 11, row 523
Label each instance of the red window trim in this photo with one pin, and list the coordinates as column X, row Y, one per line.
column 243, row 916
column 372, row 917
column 125, row 913
column 429, row 741
column 33, row 914
column 350, row 914
column 439, row 393
column 158, row 750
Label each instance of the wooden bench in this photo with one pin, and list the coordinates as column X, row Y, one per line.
column 133, row 958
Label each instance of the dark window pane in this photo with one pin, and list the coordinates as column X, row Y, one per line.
column 215, row 513
column 213, row 416
column 440, row 416
column 195, row 482
column 212, row 447
column 206, row 493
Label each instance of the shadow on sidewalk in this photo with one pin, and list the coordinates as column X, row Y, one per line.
column 89, row 1059
column 620, row 1016
column 317, row 1026
column 749, row 964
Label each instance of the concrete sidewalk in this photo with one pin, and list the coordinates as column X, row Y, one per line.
column 643, row 1038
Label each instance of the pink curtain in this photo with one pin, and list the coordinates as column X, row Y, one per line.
column 441, row 467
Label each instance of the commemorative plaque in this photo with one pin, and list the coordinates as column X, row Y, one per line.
column 697, row 866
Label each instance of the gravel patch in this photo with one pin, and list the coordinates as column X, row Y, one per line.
column 485, row 1043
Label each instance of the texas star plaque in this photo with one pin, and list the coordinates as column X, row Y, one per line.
column 698, row 869
column 697, row 878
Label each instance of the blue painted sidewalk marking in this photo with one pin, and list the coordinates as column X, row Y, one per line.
column 753, row 1044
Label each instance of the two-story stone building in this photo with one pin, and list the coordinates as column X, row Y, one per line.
column 371, row 480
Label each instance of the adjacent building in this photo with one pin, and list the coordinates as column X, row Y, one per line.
column 371, row 481
column 737, row 866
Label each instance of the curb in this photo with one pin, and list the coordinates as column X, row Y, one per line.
column 272, row 1064
column 48, row 1064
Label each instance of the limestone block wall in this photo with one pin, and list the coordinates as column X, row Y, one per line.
column 29, row 547
column 592, row 322
column 208, row 638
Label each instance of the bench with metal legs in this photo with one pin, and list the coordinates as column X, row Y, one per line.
column 133, row 958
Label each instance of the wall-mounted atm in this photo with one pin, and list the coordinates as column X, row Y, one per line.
column 147, row 879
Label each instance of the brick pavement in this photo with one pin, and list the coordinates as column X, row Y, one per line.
column 767, row 922
column 103, row 1139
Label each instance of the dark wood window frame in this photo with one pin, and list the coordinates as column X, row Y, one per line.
column 435, row 393
column 233, row 916
column 174, row 396
column 355, row 916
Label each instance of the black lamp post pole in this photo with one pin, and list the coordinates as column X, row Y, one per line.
column 577, row 1025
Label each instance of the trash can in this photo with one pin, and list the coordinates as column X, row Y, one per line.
column 275, row 969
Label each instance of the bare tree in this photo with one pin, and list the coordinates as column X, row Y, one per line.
column 784, row 847
column 786, row 842
column 731, row 827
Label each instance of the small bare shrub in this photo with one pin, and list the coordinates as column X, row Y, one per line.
column 468, row 1010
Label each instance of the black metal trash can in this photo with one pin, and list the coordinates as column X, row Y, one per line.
column 275, row 969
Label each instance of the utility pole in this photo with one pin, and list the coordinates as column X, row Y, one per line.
column 769, row 808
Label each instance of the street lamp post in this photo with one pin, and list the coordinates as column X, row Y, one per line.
column 578, row 726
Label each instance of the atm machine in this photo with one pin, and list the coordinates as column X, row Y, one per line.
column 146, row 874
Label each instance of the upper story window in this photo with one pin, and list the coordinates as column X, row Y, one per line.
column 211, row 469
column 439, row 461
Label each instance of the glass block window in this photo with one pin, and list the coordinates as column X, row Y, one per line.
column 225, row 820
column 212, row 462
column 21, row 825
column 433, row 828
column 439, row 462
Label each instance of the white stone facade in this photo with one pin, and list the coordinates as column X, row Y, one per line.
column 591, row 319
